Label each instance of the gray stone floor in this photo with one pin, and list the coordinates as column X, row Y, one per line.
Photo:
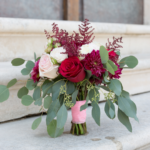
column 111, row 135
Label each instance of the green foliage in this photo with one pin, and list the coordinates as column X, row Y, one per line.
column 110, row 109
column 37, row 93
column 113, row 65
column 11, row 83
column 105, row 88
column 103, row 54
column 26, row 100
column 23, row 91
column 52, row 129
column 52, row 111
column 83, row 106
column 25, row 71
column 70, row 87
column 115, row 86
column 128, row 107
column 118, row 52
column 124, row 119
column 36, row 123
column 47, row 102
column 74, row 96
column 61, row 116
column 17, row 61
column 57, row 89
column 47, row 87
column 38, row 101
column 30, row 84
column 96, row 112
column 4, row 93
column 30, row 64
column 88, row 74
column 130, row 61
column 34, row 56
column 94, row 94
column 110, row 68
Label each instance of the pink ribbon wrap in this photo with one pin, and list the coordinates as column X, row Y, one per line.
column 78, row 116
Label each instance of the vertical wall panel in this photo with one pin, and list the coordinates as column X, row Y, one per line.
column 114, row 11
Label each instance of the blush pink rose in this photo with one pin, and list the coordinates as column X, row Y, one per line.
column 46, row 67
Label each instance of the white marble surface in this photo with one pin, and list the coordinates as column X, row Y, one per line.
column 111, row 135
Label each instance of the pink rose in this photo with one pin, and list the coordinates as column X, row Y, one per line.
column 46, row 67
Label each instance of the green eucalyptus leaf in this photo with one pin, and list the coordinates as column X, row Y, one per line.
column 62, row 116
column 115, row 86
column 36, row 123
column 17, row 61
column 88, row 74
column 125, row 94
column 52, row 111
column 124, row 119
column 70, row 87
column 74, row 96
column 4, row 93
column 105, row 88
column 47, row 87
column 128, row 107
column 103, row 54
column 34, row 56
column 96, row 112
column 27, row 100
column 56, row 89
column 37, row 93
column 118, row 52
column 23, row 91
column 110, row 109
column 131, row 61
column 110, row 68
column 47, row 102
column 38, row 101
column 30, row 64
column 25, row 71
column 30, row 84
column 38, row 58
column 52, row 129
column 11, row 83
column 83, row 106
column 113, row 65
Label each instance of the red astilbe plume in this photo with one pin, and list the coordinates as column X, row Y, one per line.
column 114, row 46
column 72, row 43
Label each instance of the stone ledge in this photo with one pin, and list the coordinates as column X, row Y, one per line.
column 111, row 135
column 37, row 26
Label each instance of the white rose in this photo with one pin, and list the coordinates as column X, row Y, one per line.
column 46, row 67
column 56, row 53
column 88, row 48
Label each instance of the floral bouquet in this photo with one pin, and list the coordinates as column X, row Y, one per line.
column 69, row 74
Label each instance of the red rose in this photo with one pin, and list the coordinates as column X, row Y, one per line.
column 111, row 53
column 72, row 69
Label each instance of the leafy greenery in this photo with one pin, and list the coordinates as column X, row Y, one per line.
column 103, row 54
column 17, row 61
column 23, row 91
column 11, row 83
column 61, row 117
column 110, row 109
column 47, row 102
column 36, row 123
column 96, row 112
column 124, row 119
column 4, row 93
column 52, row 129
column 27, row 100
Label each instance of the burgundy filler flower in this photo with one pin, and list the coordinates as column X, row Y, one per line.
column 35, row 72
column 92, row 62
column 117, row 74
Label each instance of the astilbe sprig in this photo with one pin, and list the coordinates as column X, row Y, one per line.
column 72, row 43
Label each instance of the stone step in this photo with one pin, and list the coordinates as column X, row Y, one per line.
column 111, row 135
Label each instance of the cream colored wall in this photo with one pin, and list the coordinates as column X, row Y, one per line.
column 23, row 37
